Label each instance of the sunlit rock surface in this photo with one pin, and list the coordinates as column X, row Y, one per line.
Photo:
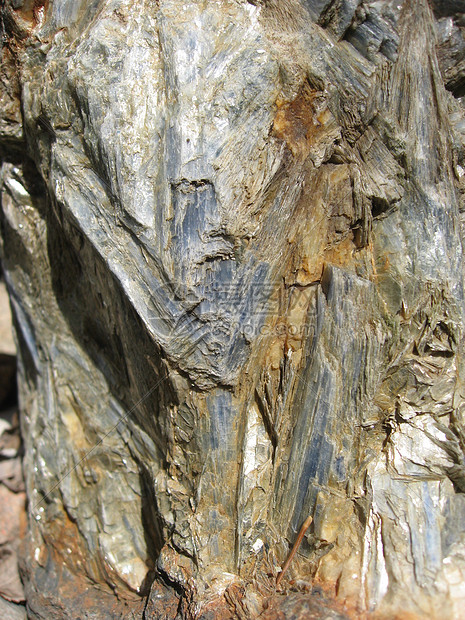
column 232, row 238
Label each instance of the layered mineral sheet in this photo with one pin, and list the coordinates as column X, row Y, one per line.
column 232, row 239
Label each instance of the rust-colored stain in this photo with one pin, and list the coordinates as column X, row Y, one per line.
column 33, row 10
column 61, row 535
column 341, row 255
column 299, row 122
column 73, row 574
column 302, row 606
column 162, row 602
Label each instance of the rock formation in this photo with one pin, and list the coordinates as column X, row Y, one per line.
column 232, row 240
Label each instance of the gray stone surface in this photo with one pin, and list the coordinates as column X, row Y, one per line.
column 232, row 239
column 12, row 611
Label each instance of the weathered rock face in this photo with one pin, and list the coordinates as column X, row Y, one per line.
column 232, row 241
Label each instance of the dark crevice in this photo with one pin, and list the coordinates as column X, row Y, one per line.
column 267, row 422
